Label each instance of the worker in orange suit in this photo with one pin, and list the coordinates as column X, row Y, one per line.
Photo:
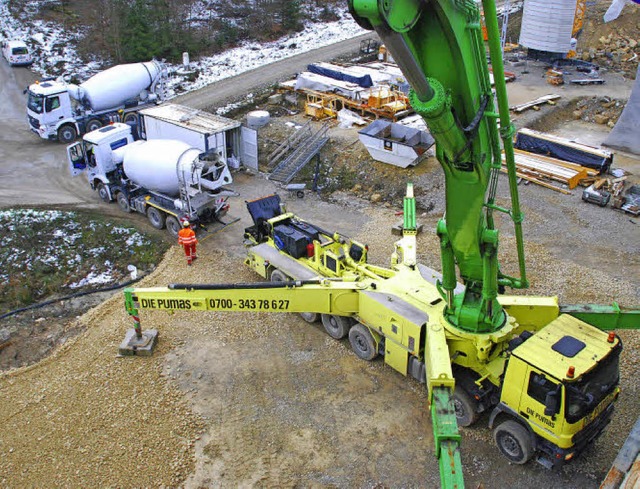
column 187, row 238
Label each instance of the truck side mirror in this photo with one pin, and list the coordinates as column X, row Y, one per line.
column 551, row 403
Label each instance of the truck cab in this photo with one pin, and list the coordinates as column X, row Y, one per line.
column 50, row 111
column 97, row 155
column 558, row 392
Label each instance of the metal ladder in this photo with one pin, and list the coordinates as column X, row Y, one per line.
column 300, row 156
column 291, row 142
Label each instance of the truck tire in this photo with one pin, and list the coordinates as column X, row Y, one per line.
column 310, row 317
column 278, row 276
column 514, row 441
column 156, row 217
column 103, row 192
column 336, row 326
column 466, row 407
column 362, row 343
column 123, row 202
column 130, row 118
column 173, row 225
column 67, row 134
column 93, row 125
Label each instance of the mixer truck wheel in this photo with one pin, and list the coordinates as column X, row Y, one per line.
column 173, row 226
column 123, row 202
column 156, row 217
column 131, row 119
column 67, row 134
column 93, row 125
column 103, row 192
column 336, row 326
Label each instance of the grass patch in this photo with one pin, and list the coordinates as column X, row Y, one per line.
column 49, row 253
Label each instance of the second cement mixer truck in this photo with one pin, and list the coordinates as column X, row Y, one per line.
column 62, row 111
column 168, row 180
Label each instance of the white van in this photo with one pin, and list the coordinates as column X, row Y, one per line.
column 16, row 53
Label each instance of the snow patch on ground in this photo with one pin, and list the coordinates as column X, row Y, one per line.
column 53, row 49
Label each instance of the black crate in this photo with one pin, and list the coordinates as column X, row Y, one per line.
column 307, row 229
column 290, row 240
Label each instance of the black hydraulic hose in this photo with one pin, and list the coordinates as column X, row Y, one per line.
column 72, row 296
column 253, row 285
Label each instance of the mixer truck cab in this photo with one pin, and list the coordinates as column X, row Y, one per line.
column 167, row 180
column 97, row 155
column 49, row 110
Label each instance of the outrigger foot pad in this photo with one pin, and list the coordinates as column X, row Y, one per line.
column 141, row 346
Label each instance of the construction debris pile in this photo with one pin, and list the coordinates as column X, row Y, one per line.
column 601, row 110
column 608, row 189
column 618, row 51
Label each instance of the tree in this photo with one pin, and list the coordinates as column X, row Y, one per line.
column 291, row 15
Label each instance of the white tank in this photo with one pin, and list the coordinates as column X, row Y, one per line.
column 161, row 164
column 547, row 25
column 110, row 88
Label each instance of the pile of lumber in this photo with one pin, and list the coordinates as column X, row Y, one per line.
column 547, row 172
column 535, row 104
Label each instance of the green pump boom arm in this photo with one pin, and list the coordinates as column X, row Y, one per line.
column 439, row 47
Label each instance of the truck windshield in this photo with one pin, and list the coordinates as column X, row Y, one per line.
column 34, row 102
column 585, row 395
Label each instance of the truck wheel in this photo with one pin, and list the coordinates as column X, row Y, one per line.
column 310, row 317
column 173, row 226
column 130, row 118
column 123, row 202
column 67, row 134
column 362, row 343
column 514, row 441
column 336, row 326
column 278, row 276
column 465, row 406
column 93, row 125
column 103, row 192
column 156, row 217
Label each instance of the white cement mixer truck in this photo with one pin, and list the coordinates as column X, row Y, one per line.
column 165, row 179
column 62, row 111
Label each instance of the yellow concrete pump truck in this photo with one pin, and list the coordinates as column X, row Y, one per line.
column 547, row 374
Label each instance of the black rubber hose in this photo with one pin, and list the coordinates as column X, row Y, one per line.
column 79, row 294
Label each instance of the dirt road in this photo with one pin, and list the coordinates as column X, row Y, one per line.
column 32, row 171
column 237, row 87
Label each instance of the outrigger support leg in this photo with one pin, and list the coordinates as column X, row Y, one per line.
column 136, row 341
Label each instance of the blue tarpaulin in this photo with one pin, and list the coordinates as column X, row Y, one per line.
column 539, row 145
column 362, row 80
